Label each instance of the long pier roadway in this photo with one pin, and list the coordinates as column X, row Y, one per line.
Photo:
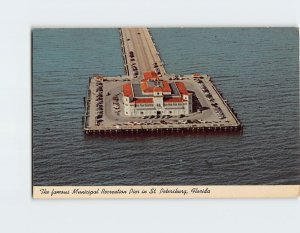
column 139, row 41
column 140, row 55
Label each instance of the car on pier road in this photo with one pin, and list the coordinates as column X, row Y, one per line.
column 157, row 70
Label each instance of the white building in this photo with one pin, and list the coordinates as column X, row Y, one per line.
column 156, row 97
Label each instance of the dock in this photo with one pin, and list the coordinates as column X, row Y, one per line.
column 140, row 55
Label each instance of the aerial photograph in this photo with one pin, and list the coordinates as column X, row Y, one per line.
column 165, row 106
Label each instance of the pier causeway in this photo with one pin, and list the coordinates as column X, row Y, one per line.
column 104, row 108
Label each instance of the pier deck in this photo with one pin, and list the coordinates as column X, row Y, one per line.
column 139, row 41
column 104, row 92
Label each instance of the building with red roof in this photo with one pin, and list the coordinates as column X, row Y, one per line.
column 150, row 75
column 153, row 96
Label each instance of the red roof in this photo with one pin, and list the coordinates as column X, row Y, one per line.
column 99, row 78
column 165, row 87
column 144, row 86
column 181, row 88
column 178, row 99
column 157, row 89
column 150, row 75
column 143, row 101
column 196, row 75
column 127, row 90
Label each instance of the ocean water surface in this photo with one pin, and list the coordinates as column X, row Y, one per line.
column 255, row 68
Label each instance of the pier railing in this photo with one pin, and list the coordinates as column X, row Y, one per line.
column 123, row 52
column 87, row 108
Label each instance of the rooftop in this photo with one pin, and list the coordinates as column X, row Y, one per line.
column 181, row 87
column 150, row 75
column 127, row 90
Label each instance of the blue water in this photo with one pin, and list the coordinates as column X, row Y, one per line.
column 255, row 68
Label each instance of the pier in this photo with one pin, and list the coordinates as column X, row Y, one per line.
column 104, row 108
column 139, row 41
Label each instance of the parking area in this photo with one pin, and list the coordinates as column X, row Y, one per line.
column 107, row 111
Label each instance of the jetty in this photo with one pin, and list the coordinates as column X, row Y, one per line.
column 104, row 105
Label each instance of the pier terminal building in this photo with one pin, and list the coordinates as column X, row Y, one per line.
column 155, row 97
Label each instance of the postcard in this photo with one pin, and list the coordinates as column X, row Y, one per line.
column 165, row 112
